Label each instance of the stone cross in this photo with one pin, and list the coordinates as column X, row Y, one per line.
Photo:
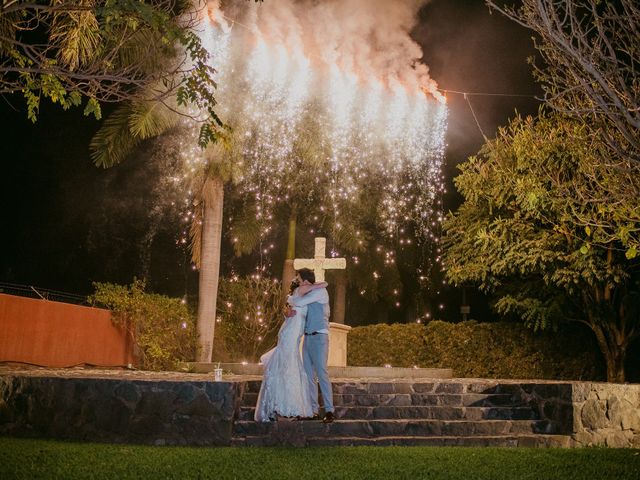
column 319, row 263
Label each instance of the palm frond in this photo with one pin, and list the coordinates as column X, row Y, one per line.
column 150, row 119
column 126, row 127
column 114, row 141
column 141, row 49
column 245, row 231
column 76, row 34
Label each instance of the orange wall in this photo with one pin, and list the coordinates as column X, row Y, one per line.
column 57, row 334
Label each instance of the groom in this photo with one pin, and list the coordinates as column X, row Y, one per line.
column 315, row 351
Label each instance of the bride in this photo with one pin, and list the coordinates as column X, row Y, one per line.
column 284, row 391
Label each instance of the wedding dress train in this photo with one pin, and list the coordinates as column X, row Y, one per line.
column 284, row 388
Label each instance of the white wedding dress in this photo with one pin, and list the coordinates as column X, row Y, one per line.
column 284, row 389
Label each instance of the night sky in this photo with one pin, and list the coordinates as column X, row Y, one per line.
column 66, row 223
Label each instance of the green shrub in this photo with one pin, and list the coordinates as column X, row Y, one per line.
column 400, row 345
column 162, row 328
column 249, row 313
column 480, row 350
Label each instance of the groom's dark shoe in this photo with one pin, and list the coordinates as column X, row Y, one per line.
column 328, row 418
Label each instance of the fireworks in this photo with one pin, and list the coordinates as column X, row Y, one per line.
column 302, row 114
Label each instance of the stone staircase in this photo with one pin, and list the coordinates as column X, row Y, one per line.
column 415, row 412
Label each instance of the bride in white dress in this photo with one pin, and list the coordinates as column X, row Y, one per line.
column 284, row 390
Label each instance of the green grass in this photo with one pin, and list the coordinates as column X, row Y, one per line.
column 32, row 459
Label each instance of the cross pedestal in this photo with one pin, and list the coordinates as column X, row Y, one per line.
column 338, row 344
column 337, row 331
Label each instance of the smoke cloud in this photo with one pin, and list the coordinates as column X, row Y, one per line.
column 368, row 38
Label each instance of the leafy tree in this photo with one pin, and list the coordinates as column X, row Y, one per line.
column 214, row 167
column 515, row 237
column 290, row 185
column 212, row 170
column 96, row 51
column 591, row 57
column 306, row 191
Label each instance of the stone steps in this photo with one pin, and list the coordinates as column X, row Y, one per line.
column 411, row 412
column 421, row 411
column 539, row 440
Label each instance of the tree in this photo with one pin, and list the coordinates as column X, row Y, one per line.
column 206, row 240
column 140, row 119
column 279, row 184
column 348, row 202
column 97, row 51
column 513, row 236
column 591, row 59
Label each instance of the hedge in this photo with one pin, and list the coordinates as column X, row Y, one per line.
column 480, row 350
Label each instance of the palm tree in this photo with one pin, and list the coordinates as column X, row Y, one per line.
column 121, row 132
column 210, row 234
column 206, row 239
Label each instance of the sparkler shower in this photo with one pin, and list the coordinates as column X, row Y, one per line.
column 343, row 75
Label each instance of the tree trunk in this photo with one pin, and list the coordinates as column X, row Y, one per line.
column 288, row 272
column 339, row 302
column 614, row 355
column 615, row 365
column 213, row 197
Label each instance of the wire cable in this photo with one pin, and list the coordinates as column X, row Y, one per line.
column 488, row 94
column 466, row 97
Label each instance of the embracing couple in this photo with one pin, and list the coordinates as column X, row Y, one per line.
column 289, row 386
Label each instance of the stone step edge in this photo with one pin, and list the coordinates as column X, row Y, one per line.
column 334, row 371
column 248, row 399
column 413, row 410
column 397, row 394
column 444, row 437
column 551, row 440
column 425, row 408
column 397, row 420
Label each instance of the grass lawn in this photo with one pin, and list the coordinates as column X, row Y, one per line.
column 32, row 459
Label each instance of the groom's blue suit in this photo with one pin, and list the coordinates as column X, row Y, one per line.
column 315, row 351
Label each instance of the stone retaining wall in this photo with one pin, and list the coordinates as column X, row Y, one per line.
column 194, row 411
column 594, row 414
column 606, row 414
column 121, row 411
